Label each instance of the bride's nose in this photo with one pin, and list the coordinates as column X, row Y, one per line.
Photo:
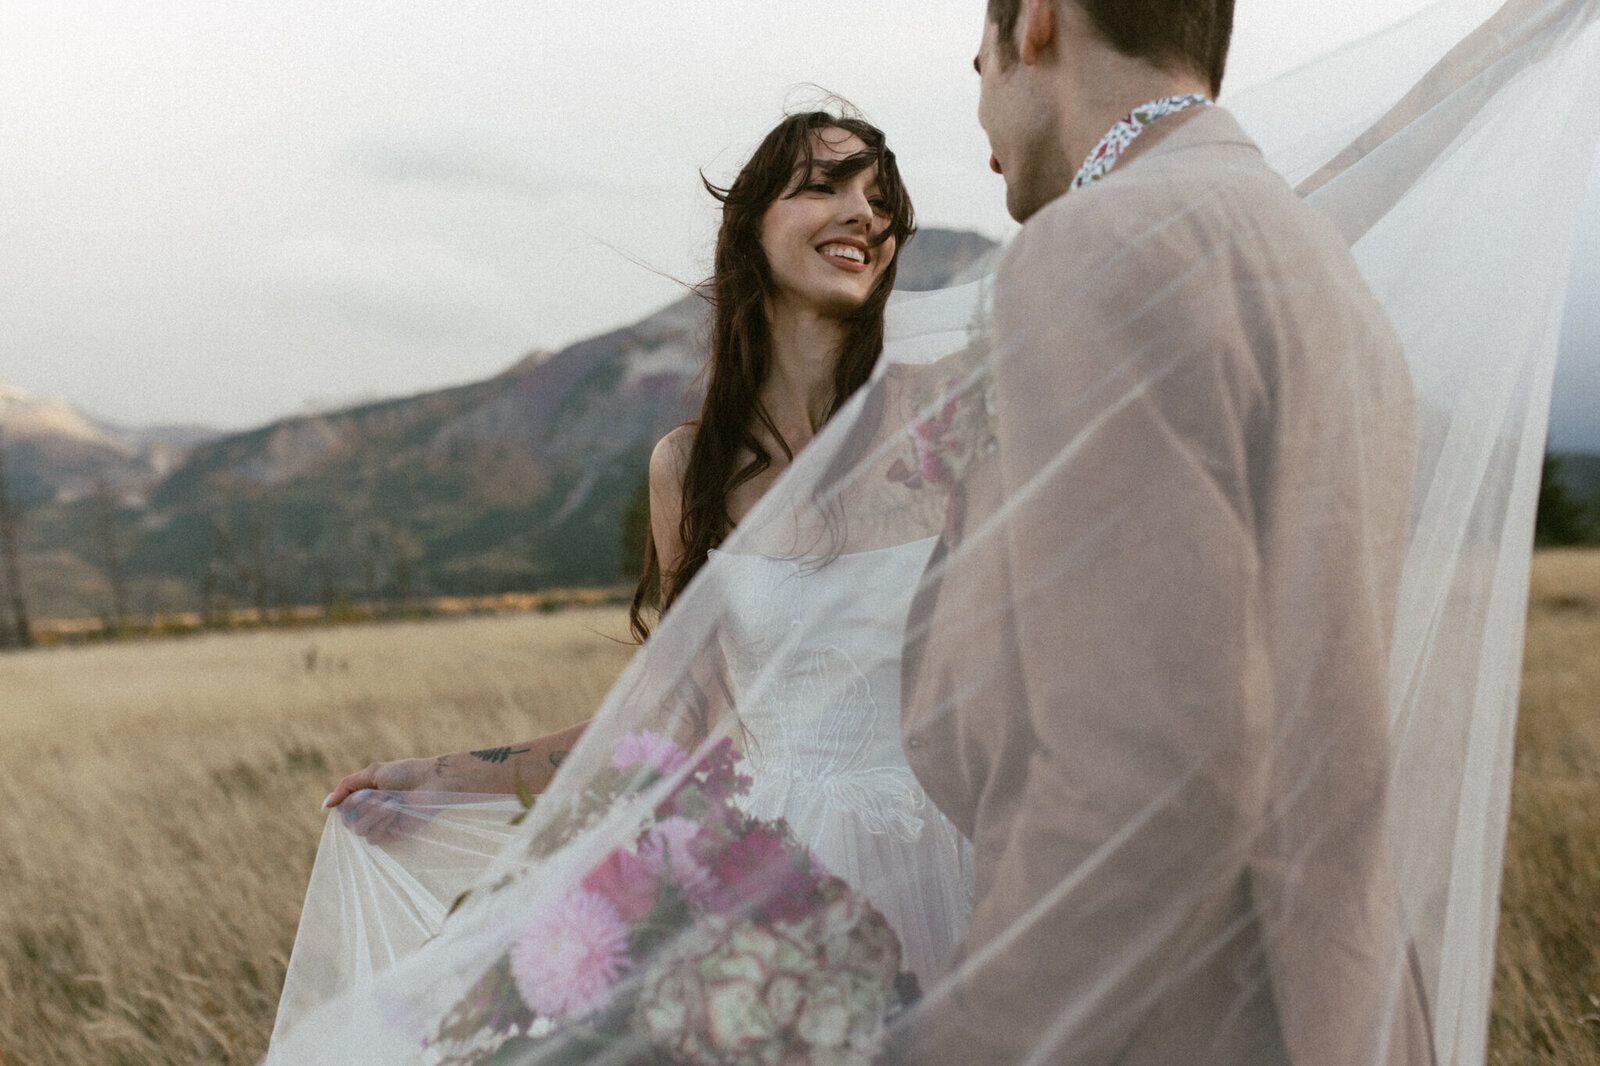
column 856, row 208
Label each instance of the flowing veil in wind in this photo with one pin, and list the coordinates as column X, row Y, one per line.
column 1451, row 152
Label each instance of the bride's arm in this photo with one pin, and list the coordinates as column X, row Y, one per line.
column 532, row 763
column 668, row 463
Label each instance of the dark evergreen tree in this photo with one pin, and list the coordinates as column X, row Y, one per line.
column 636, row 528
column 1560, row 518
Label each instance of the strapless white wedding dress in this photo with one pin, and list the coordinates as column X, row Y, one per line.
column 820, row 711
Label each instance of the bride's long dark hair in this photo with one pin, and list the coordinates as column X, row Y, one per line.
column 741, row 337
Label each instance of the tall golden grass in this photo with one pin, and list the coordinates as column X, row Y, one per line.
column 159, row 813
column 1547, row 964
column 159, row 809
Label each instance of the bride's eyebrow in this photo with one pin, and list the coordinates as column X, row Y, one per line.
column 848, row 167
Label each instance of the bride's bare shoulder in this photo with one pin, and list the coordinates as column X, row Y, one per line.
column 670, row 457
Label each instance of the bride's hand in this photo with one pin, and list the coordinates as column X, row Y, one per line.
column 402, row 775
column 373, row 803
column 383, row 817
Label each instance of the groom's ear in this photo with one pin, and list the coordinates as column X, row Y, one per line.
column 1038, row 29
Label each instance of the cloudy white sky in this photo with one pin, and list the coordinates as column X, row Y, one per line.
column 227, row 213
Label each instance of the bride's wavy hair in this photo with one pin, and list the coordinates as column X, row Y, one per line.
column 741, row 337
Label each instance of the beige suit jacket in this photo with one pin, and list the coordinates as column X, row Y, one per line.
column 1146, row 669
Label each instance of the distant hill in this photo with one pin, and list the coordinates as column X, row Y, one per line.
column 519, row 482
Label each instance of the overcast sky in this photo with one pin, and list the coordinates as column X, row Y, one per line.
column 227, row 213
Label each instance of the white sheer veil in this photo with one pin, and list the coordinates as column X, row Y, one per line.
column 1460, row 201
column 1451, row 152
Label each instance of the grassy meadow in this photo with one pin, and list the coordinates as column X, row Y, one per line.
column 159, row 808
column 159, row 813
column 1547, row 965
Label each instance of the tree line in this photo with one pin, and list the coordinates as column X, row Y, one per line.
column 227, row 559
column 248, row 564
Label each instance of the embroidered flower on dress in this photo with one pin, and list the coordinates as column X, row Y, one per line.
column 945, row 435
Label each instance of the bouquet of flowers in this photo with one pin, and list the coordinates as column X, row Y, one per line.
column 713, row 939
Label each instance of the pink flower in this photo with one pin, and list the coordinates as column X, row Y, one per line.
column 623, row 880
column 565, row 960
column 667, row 850
column 649, row 749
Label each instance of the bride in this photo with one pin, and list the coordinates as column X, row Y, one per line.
column 805, row 261
column 1451, row 159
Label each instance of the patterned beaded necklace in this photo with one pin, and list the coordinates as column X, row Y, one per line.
column 1114, row 143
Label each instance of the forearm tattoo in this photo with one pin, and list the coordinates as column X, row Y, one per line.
column 497, row 755
column 439, row 764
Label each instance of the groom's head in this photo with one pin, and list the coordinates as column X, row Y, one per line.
column 1053, row 69
column 1192, row 34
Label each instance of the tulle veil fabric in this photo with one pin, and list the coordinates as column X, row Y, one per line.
column 1451, row 151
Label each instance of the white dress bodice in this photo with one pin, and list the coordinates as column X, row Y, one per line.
column 813, row 653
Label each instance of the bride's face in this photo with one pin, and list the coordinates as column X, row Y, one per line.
column 818, row 236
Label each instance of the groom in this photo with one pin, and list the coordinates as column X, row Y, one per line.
column 1146, row 670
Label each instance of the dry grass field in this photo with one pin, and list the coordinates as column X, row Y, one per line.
column 159, row 808
column 1547, row 967
column 159, row 813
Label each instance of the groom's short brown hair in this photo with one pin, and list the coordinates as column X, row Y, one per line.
column 1194, row 33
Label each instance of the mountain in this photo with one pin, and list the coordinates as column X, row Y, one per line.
column 517, row 482
column 54, row 452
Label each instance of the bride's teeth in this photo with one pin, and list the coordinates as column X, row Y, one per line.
column 844, row 252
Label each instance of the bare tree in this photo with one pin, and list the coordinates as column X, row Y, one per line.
column 105, row 535
column 11, row 563
column 407, row 555
column 254, row 568
column 215, row 570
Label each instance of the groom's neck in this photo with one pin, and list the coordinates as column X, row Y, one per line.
column 1096, row 85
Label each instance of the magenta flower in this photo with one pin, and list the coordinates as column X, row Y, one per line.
column 565, row 960
column 649, row 749
column 623, row 880
column 716, row 771
column 762, row 870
